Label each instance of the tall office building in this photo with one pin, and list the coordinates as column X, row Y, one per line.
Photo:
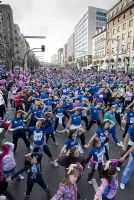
column 93, row 20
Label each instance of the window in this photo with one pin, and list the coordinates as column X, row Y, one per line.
column 129, row 34
column 130, row 23
column 123, row 37
column 118, row 37
column 124, row 26
column 101, row 14
column 113, row 31
column 101, row 19
column 124, row 16
column 118, row 29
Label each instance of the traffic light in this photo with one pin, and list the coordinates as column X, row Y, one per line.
column 43, row 48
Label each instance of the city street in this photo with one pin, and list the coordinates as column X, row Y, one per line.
column 67, row 63
column 53, row 176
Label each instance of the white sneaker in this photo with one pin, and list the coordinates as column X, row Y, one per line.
column 119, row 144
column 118, row 169
column 20, row 177
column 90, row 182
column 54, row 163
column 56, row 144
column 122, row 186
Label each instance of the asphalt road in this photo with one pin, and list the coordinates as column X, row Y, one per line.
column 53, row 176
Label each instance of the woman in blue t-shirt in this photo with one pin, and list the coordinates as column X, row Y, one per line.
column 102, row 133
column 128, row 117
column 49, row 127
column 17, row 127
column 39, row 140
column 73, row 139
column 95, row 157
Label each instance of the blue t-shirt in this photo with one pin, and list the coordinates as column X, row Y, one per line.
column 76, row 119
column 48, row 126
column 118, row 107
column 72, row 142
column 38, row 135
column 59, row 110
column 94, row 113
column 36, row 113
column 102, row 134
column 17, row 122
column 130, row 117
column 131, row 133
column 97, row 153
column 44, row 95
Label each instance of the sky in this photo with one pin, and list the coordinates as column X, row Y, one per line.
column 54, row 19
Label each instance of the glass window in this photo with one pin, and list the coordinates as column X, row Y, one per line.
column 124, row 26
column 130, row 23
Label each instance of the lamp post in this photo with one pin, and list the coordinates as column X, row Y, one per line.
column 117, row 48
column 42, row 50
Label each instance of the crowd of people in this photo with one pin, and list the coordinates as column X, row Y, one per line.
column 74, row 101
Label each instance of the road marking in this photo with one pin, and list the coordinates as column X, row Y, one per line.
column 95, row 185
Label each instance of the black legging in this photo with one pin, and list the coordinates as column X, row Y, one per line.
column 52, row 135
column 57, row 122
column 2, row 111
column 30, row 183
column 45, row 149
column 85, row 119
column 20, row 134
column 82, row 139
column 4, row 191
column 91, row 122
column 118, row 118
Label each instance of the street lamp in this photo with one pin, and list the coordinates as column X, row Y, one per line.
column 117, row 49
column 42, row 50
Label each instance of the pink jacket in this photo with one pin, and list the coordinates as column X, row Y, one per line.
column 4, row 151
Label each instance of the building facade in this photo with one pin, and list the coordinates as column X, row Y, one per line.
column 6, row 35
column 120, row 25
column 65, row 59
column 60, row 57
column 54, row 59
column 70, row 49
column 93, row 20
column 99, row 47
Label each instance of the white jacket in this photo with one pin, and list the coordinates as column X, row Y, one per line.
column 8, row 160
column 2, row 102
